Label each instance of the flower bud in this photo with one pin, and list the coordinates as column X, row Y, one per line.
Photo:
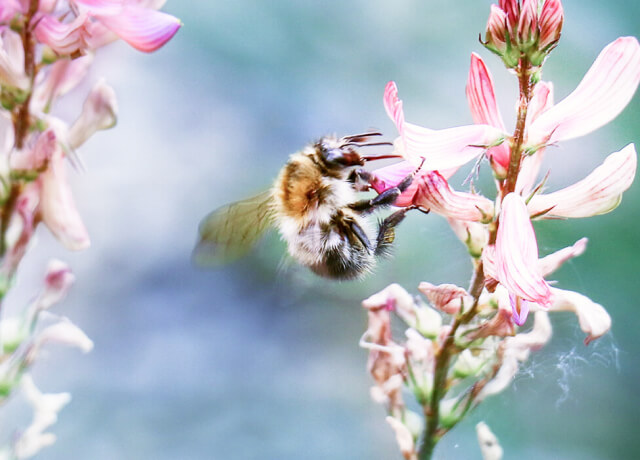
column 550, row 23
column 98, row 112
column 527, row 25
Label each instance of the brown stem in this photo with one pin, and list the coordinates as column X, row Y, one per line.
column 526, row 90
column 22, row 118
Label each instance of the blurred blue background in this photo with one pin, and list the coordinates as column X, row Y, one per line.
column 260, row 359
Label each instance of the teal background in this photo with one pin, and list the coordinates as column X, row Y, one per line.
column 260, row 360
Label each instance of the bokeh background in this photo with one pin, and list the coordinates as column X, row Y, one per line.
column 260, row 359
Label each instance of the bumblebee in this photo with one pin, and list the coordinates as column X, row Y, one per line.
column 314, row 205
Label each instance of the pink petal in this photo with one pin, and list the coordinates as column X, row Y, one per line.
column 484, row 108
column 37, row 157
column 12, row 60
column 516, row 253
column 391, row 175
column 63, row 38
column 143, row 28
column 62, row 77
column 442, row 149
column 511, row 8
column 604, row 91
column 496, row 30
column 552, row 262
column 101, row 7
column 8, row 9
column 99, row 112
column 58, row 208
column 598, row 193
column 435, row 194
column 592, row 317
column 541, row 100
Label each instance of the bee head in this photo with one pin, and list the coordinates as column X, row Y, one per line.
column 341, row 153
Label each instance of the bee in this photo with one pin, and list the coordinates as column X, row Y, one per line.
column 314, row 205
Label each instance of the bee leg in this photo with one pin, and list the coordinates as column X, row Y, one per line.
column 361, row 179
column 387, row 231
column 386, row 198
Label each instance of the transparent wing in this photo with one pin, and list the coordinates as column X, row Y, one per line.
column 229, row 232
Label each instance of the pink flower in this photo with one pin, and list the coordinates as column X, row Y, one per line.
column 604, row 91
column 62, row 76
column 441, row 149
column 102, row 21
column 598, row 193
column 516, row 258
column 99, row 112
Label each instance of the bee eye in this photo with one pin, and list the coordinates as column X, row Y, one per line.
column 340, row 156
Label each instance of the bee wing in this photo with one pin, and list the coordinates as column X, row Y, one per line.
column 229, row 232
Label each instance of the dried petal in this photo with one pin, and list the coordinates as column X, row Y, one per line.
column 489, row 445
column 448, row 298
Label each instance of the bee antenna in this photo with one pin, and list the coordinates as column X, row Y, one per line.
column 357, row 136
column 380, row 157
column 365, row 144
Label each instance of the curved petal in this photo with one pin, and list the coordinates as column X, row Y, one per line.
column 435, row 194
column 12, row 60
column 516, row 253
column 98, row 112
column 62, row 77
column 598, row 193
column 552, row 262
column 592, row 317
column 143, row 28
column 58, row 208
column 604, row 91
column 63, row 38
column 484, row 108
column 442, row 149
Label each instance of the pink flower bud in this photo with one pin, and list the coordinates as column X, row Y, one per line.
column 550, row 22
column 496, row 32
column 512, row 11
column 528, row 24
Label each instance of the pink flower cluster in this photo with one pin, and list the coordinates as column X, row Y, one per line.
column 605, row 90
column 46, row 49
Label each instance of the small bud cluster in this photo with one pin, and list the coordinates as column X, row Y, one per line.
column 46, row 49
column 515, row 29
